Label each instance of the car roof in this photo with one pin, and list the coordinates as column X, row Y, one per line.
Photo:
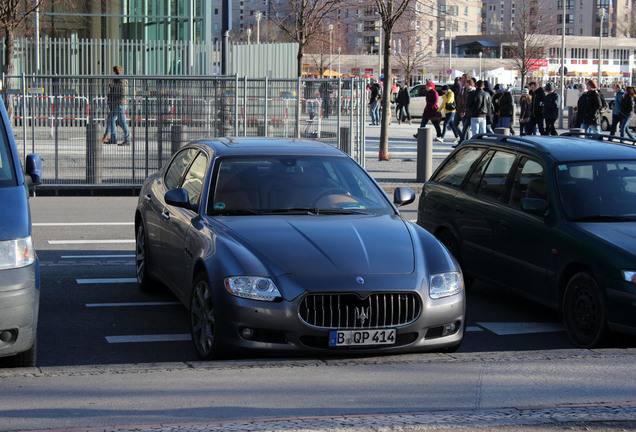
column 565, row 148
column 268, row 146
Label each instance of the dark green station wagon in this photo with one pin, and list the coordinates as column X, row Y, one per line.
column 553, row 218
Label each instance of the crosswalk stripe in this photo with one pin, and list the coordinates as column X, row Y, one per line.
column 113, row 241
column 512, row 328
column 134, row 304
column 148, row 338
column 105, row 281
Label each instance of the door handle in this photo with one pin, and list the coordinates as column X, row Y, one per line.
column 147, row 197
column 166, row 215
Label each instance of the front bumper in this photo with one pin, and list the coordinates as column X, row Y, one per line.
column 19, row 306
column 278, row 328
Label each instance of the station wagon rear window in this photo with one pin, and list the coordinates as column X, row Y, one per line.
column 457, row 166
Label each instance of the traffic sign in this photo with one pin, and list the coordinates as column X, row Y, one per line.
column 449, row 71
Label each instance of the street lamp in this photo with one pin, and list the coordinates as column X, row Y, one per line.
column 339, row 50
column 330, row 49
column 600, row 46
column 480, row 54
column 249, row 34
column 259, row 15
column 450, row 45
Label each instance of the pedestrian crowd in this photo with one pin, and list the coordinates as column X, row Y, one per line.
column 470, row 107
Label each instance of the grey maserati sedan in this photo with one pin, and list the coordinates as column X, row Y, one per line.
column 289, row 246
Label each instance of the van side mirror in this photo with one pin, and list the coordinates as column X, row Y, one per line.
column 33, row 169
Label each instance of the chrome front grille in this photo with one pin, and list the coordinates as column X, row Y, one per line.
column 349, row 311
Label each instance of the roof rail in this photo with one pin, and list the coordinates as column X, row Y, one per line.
column 601, row 137
column 512, row 139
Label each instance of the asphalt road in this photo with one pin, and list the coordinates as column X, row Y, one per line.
column 91, row 311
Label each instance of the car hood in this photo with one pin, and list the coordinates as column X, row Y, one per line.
column 620, row 234
column 328, row 245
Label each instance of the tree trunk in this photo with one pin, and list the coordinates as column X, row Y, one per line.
column 9, row 48
column 386, row 99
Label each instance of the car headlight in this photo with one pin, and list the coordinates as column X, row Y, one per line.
column 16, row 253
column 630, row 276
column 252, row 287
column 445, row 285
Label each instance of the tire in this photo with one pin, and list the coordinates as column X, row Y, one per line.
column 141, row 260
column 605, row 124
column 583, row 311
column 202, row 319
column 447, row 239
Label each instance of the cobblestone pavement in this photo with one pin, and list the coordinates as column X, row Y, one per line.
column 585, row 418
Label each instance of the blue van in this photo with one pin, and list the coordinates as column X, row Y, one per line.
column 19, row 266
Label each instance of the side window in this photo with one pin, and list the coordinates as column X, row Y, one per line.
column 493, row 182
column 529, row 182
column 193, row 181
column 456, row 168
column 472, row 185
column 177, row 167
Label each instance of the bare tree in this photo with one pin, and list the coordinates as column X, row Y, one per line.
column 13, row 16
column 526, row 42
column 301, row 20
column 411, row 53
column 390, row 12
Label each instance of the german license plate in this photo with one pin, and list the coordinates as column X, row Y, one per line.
column 361, row 337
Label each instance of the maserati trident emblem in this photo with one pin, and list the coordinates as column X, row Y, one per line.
column 360, row 280
column 362, row 315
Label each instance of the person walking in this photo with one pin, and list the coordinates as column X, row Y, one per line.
column 403, row 101
column 479, row 105
column 593, row 106
column 625, row 113
column 374, row 104
column 551, row 104
column 580, row 106
column 525, row 107
column 618, row 99
column 116, row 99
column 431, row 111
column 448, row 107
column 461, row 97
column 506, row 107
column 537, row 110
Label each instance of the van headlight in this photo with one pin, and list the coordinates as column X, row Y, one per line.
column 16, row 253
column 445, row 285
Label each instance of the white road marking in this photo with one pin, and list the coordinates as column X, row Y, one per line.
column 105, row 281
column 148, row 338
column 95, row 256
column 62, row 242
column 51, row 224
column 511, row 328
column 474, row 329
column 94, row 305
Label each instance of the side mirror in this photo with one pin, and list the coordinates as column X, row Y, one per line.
column 179, row 198
column 403, row 196
column 535, row 206
column 34, row 169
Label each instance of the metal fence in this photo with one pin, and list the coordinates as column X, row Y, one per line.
column 63, row 118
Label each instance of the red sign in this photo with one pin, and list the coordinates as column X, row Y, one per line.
column 536, row 64
column 355, row 71
column 368, row 71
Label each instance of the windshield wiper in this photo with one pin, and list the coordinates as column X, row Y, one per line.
column 342, row 211
column 604, row 218
column 294, row 210
column 236, row 212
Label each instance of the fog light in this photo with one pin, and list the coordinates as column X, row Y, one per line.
column 247, row 333
column 6, row 336
column 449, row 329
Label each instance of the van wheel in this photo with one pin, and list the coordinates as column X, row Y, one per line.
column 584, row 311
column 605, row 124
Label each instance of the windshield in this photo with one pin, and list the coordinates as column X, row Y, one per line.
column 294, row 185
column 7, row 173
column 598, row 190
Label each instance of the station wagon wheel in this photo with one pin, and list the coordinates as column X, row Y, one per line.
column 448, row 239
column 605, row 124
column 141, row 260
column 584, row 311
column 202, row 321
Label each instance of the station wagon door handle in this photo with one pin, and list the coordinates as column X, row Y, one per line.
column 165, row 214
column 147, row 197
